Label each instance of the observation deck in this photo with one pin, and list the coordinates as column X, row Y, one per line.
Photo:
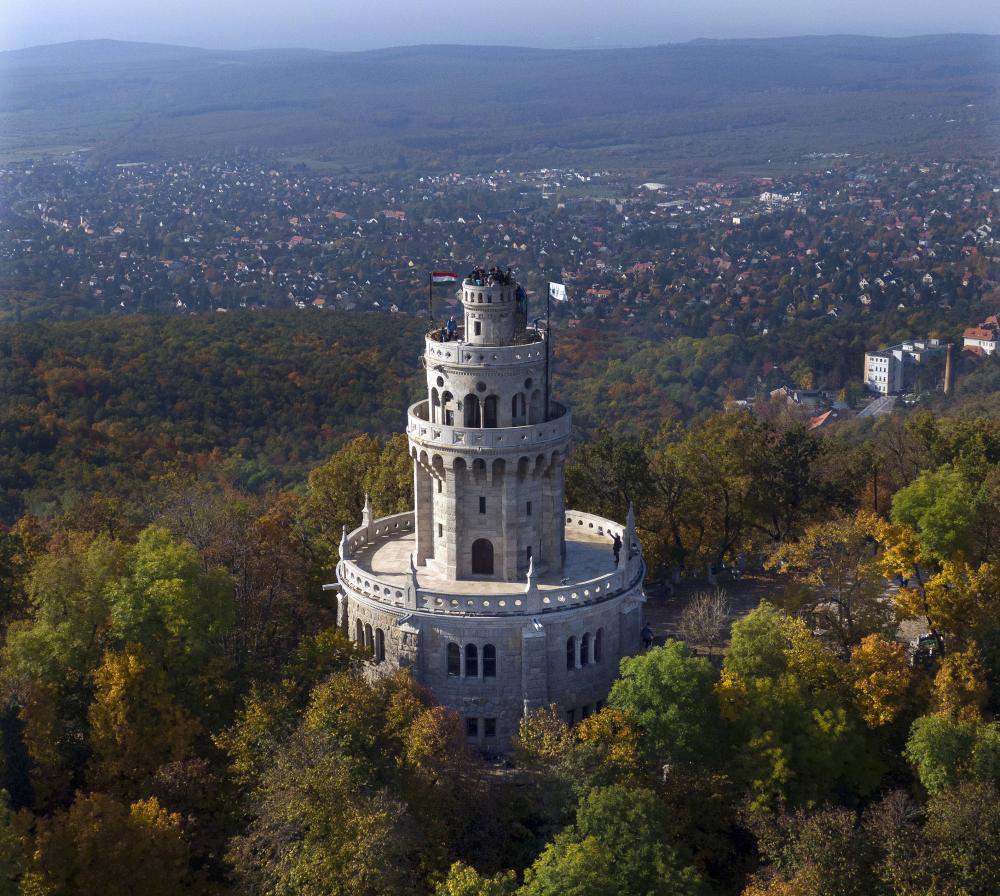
column 436, row 435
column 527, row 348
column 378, row 569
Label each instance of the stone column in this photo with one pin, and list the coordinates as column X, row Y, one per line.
column 507, row 536
column 449, row 516
column 423, row 517
column 548, row 543
column 629, row 625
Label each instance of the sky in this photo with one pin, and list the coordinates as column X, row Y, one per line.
column 367, row 24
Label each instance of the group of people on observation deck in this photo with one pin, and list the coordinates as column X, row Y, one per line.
column 494, row 277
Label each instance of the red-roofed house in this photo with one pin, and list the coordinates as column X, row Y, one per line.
column 981, row 340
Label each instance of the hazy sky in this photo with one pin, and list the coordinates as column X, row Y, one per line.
column 364, row 24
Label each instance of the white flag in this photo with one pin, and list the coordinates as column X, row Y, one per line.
column 557, row 292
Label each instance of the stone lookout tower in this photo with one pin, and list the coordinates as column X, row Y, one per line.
column 490, row 592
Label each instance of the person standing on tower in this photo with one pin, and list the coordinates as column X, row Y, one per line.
column 616, row 546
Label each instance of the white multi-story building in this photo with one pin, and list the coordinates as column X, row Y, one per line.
column 490, row 592
column 890, row 371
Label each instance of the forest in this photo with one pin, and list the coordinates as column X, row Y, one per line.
column 183, row 714
column 105, row 405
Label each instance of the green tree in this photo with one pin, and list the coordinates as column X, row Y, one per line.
column 945, row 752
column 317, row 830
column 337, row 488
column 668, row 695
column 941, row 506
column 619, row 846
column 607, row 474
column 178, row 613
column 796, row 733
column 462, row 880
column 962, row 834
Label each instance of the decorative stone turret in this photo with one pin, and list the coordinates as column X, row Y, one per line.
column 488, row 470
column 490, row 592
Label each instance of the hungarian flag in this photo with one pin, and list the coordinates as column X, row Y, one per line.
column 443, row 277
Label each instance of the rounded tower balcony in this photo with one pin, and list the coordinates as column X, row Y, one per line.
column 377, row 569
column 428, row 434
column 528, row 348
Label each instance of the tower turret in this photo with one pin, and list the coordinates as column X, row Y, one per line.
column 488, row 469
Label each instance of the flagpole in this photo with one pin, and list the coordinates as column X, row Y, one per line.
column 548, row 339
column 430, row 296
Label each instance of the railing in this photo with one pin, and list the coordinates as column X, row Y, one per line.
column 420, row 429
column 403, row 594
column 527, row 349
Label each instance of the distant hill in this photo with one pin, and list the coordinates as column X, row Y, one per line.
column 692, row 108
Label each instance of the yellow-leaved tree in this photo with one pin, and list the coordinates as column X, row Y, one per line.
column 102, row 845
column 882, row 680
column 135, row 724
column 836, row 579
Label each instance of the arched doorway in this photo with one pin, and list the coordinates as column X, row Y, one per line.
column 482, row 557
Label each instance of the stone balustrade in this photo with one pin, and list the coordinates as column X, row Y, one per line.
column 420, row 429
column 403, row 593
column 530, row 349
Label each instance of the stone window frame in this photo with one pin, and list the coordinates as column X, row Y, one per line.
column 448, row 653
column 479, row 646
column 492, row 659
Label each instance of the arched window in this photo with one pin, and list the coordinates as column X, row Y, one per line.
column 448, row 409
column 489, row 661
column 454, row 659
column 571, row 653
column 379, row 645
column 517, row 409
column 490, row 412
column 585, row 649
column 535, row 407
column 599, row 645
column 471, row 661
column 482, row 557
column 359, row 632
column 472, row 414
column 369, row 638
